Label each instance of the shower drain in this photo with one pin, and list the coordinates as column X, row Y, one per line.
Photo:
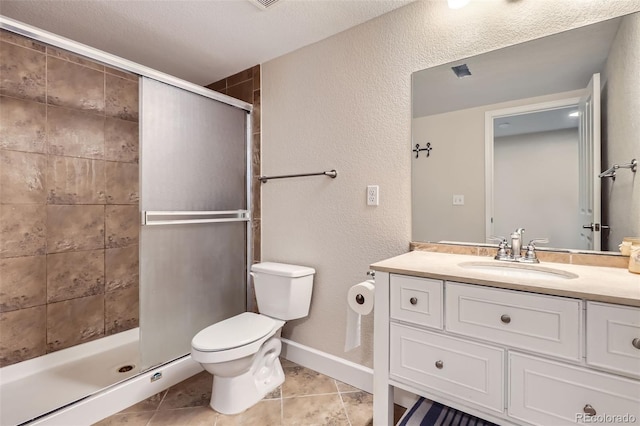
column 125, row 368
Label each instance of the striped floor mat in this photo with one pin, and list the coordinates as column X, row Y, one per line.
column 430, row 413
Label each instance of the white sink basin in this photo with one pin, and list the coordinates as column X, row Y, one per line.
column 518, row 270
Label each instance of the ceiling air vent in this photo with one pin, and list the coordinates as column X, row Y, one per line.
column 461, row 71
column 264, row 4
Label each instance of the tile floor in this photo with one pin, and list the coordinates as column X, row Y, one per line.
column 306, row 398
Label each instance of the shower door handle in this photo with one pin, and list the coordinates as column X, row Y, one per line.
column 191, row 217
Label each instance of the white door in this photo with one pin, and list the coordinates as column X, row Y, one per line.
column 589, row 166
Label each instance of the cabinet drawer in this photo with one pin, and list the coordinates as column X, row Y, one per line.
column 613, row 338
column 545, row 324
column 550, row 393
column 447, row 365
column 417, row 300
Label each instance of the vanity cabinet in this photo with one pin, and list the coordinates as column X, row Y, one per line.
column 416, row 300
column 508, row 356
column 546, row 392
column 535, row 322
column 613, row 338
column 469, row 371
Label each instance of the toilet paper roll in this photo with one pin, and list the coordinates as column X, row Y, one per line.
column 360, row 298
column 362, row 305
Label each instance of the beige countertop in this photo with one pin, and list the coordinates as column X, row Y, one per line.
column 611, row 285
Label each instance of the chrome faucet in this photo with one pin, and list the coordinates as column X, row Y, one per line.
column 516, row 244
column 513, row 252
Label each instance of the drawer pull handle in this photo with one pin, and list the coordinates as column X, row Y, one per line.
column 636, row 343
column 589, row 410
column 505, row 319
column 439, row 365
column 413, row 300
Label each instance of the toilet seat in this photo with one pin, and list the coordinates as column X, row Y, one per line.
column 243, row 335
column 233, row 332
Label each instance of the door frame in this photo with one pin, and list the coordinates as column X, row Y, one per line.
column 489, row 117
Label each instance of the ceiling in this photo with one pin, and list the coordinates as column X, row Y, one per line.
column 201, row 41
column 553, row 64
column 535, row 122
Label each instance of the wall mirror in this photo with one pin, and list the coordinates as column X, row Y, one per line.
column 522, row 140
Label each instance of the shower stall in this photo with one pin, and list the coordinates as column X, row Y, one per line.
column 124, row 226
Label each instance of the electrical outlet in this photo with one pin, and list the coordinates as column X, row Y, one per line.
column 458, row 200
column 373, row 195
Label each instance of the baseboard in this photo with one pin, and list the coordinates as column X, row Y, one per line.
column 340, row 369
column 118, row 397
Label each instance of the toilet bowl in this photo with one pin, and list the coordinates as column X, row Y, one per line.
column 242, row 352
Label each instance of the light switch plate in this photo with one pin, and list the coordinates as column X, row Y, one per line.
column 458, row 200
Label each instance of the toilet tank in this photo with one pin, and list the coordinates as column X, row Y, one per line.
column 283, row 291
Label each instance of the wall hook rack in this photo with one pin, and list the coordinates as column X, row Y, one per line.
column 611, row 171
column 331, row 173
column 417, row 149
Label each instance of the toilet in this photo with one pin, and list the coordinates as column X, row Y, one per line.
column 242, row 352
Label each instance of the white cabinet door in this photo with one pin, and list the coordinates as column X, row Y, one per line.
column 470, row 372
column 547, row 393
column 545, row 324
column 613, row 338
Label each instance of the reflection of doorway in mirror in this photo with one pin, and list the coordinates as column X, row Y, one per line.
column 534, row 163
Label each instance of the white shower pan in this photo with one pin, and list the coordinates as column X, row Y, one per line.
column 82, row 384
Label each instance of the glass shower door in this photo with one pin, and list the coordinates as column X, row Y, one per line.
column 193, row 243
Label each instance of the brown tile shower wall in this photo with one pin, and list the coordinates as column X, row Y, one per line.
column 245, row 86
column 69, row 219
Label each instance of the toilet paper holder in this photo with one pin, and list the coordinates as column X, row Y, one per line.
column 359, row 297
column 360, row 300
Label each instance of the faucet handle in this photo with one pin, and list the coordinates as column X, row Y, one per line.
column 530, row 255
column 502, row 248
column 538, row 241
column 497, row 239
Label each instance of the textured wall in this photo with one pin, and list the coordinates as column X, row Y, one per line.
column 69, row 217
column 622, row 109
column 344, row 103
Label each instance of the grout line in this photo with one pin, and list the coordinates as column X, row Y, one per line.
column 166, row 391
column 281, row 408
column 12, row 96
column 354, row 391
column 310, row 395
column 151, row 418
column 342, row 402
column 19, row 36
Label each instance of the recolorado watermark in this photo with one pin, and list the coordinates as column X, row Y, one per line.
column 606, row 418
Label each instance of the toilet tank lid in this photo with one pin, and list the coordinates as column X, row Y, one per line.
column 282, row 269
